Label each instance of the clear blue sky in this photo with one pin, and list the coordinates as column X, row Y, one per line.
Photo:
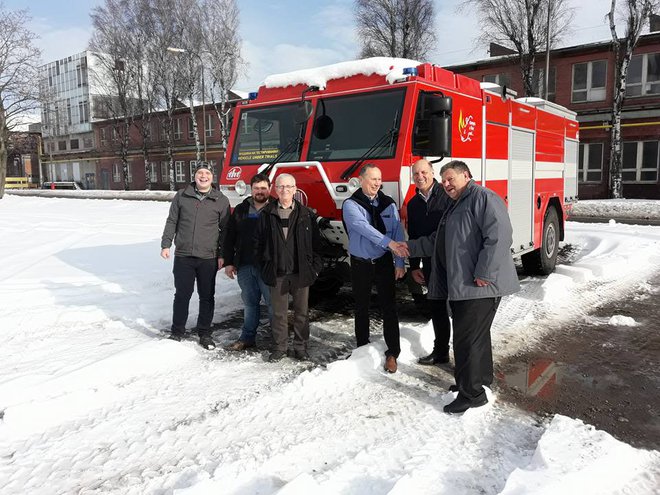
column 283, row 35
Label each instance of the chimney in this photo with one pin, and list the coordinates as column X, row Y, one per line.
column 497, row 50
column 654, row 22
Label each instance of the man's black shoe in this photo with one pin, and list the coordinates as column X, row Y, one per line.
column 462, row 404
column 206, row 342
column 301, row 355
column 176, row 336
column 276, row 356
column 434, row 358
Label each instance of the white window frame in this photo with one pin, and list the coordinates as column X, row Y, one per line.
column 153, row 172
column 176, row 129
column 501, row 78
column 193, row 168
column 179, row 171
column 593, row 94
column 209, row 125
column 586, row 150
column 165, row 172
column 645, row 84
column 639, row 165
column 191, row 131
column 116, row 172
column 130, row 173
column 538, row 76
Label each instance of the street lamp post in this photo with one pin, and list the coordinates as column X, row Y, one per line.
column 183, row 50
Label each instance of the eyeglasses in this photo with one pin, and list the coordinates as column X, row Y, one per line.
column 288, row 188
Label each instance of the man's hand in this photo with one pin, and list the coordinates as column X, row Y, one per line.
column 230, row 271
column 480, row 283
column 221, row 263
column 400, row 249
column 418, row 276
column 165, row 253
column 399, row 273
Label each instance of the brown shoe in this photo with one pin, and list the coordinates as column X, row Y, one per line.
column 239, row 345
column 390, row 364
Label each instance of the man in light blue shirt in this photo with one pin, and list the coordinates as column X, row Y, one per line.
column 373, row 227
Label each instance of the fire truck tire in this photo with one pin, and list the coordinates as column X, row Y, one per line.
column 542, row 261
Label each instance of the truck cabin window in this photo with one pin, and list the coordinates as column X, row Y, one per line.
column 263, row 133
column 359, row 123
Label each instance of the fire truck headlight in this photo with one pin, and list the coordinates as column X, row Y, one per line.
column 240, row 187
column 353, row 184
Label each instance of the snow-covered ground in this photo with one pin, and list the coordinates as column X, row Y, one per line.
column 93, row 399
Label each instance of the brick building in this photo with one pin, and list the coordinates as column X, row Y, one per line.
column 581, row 78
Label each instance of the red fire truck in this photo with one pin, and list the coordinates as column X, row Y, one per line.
column 321, row 125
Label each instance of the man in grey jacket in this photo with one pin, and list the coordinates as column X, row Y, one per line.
column 471, row 266
column 196, row 224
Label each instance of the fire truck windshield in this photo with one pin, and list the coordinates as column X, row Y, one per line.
column 263, row 133
column 359, row 121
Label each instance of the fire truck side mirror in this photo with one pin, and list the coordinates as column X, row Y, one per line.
column 323, row 127
column 303, row 112
column 432, row 132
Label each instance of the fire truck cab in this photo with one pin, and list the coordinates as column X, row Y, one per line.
column 321, row 125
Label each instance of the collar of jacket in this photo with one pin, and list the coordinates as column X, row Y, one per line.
column 272, row 206
column 363, row 200
column 434, row 188
column 190, row 191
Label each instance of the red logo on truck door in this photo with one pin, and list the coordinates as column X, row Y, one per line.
column 466, row 127
column 234, row 173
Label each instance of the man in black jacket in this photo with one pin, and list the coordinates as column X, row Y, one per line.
column 238, row 254
column 425, row 210
column 196, row 224
column 287, row 245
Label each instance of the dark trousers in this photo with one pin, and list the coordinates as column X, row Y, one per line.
column 364, row 274
column 279, row 300
column 188, row 270
column 473, row 352
column 441, row 325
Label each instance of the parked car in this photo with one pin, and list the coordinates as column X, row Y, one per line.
column 71, row 185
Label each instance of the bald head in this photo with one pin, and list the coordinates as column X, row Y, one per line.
column 422, row 172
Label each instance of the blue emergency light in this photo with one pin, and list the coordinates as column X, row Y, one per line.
column 253, row 95
column 410, row 71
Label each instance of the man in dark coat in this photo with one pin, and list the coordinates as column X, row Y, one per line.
column 238, row 254
column 471, row 267
column 425, row 210
column 196, row 224
column 287, row 241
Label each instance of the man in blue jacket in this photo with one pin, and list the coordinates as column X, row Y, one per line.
column 373, row 225
column 472, row 267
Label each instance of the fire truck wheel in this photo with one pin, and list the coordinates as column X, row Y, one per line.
column 542, row 261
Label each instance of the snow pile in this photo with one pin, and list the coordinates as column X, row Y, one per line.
column 92, row 399
column 641, row 209
column 319, row 76
column 622, row 321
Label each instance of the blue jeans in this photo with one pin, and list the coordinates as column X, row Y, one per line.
column 252, row 290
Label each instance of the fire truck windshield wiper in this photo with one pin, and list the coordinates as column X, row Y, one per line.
column 293, row 144
column 386, row 138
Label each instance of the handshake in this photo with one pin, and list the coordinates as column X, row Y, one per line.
column 399, row 249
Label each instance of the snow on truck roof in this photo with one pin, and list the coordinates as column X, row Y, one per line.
column 319, row 76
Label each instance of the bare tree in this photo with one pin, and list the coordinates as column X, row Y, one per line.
column 635, row 14
column 521, row 25
column 395, row 28
column 19, row 88
column 223, row 62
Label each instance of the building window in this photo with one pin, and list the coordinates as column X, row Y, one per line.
column 83, row 110
column 191, row 130
column 61, row 146
column 165, row 172
column 193, row 168
column 590, row 168
column 116, row 172
column 163, row 131
column 68, row 111
column 589, row 81
column 180, row 171
column 153, row 172
column 115, row 135
column 501, row 79
column 640, row 162
column 75, row 144
column 209, row 125
column 87, row 142
column 104, row 136
column 212, row 166
column 176, row 124
column 129, row 176
column 643, row 76
column 538, row 82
